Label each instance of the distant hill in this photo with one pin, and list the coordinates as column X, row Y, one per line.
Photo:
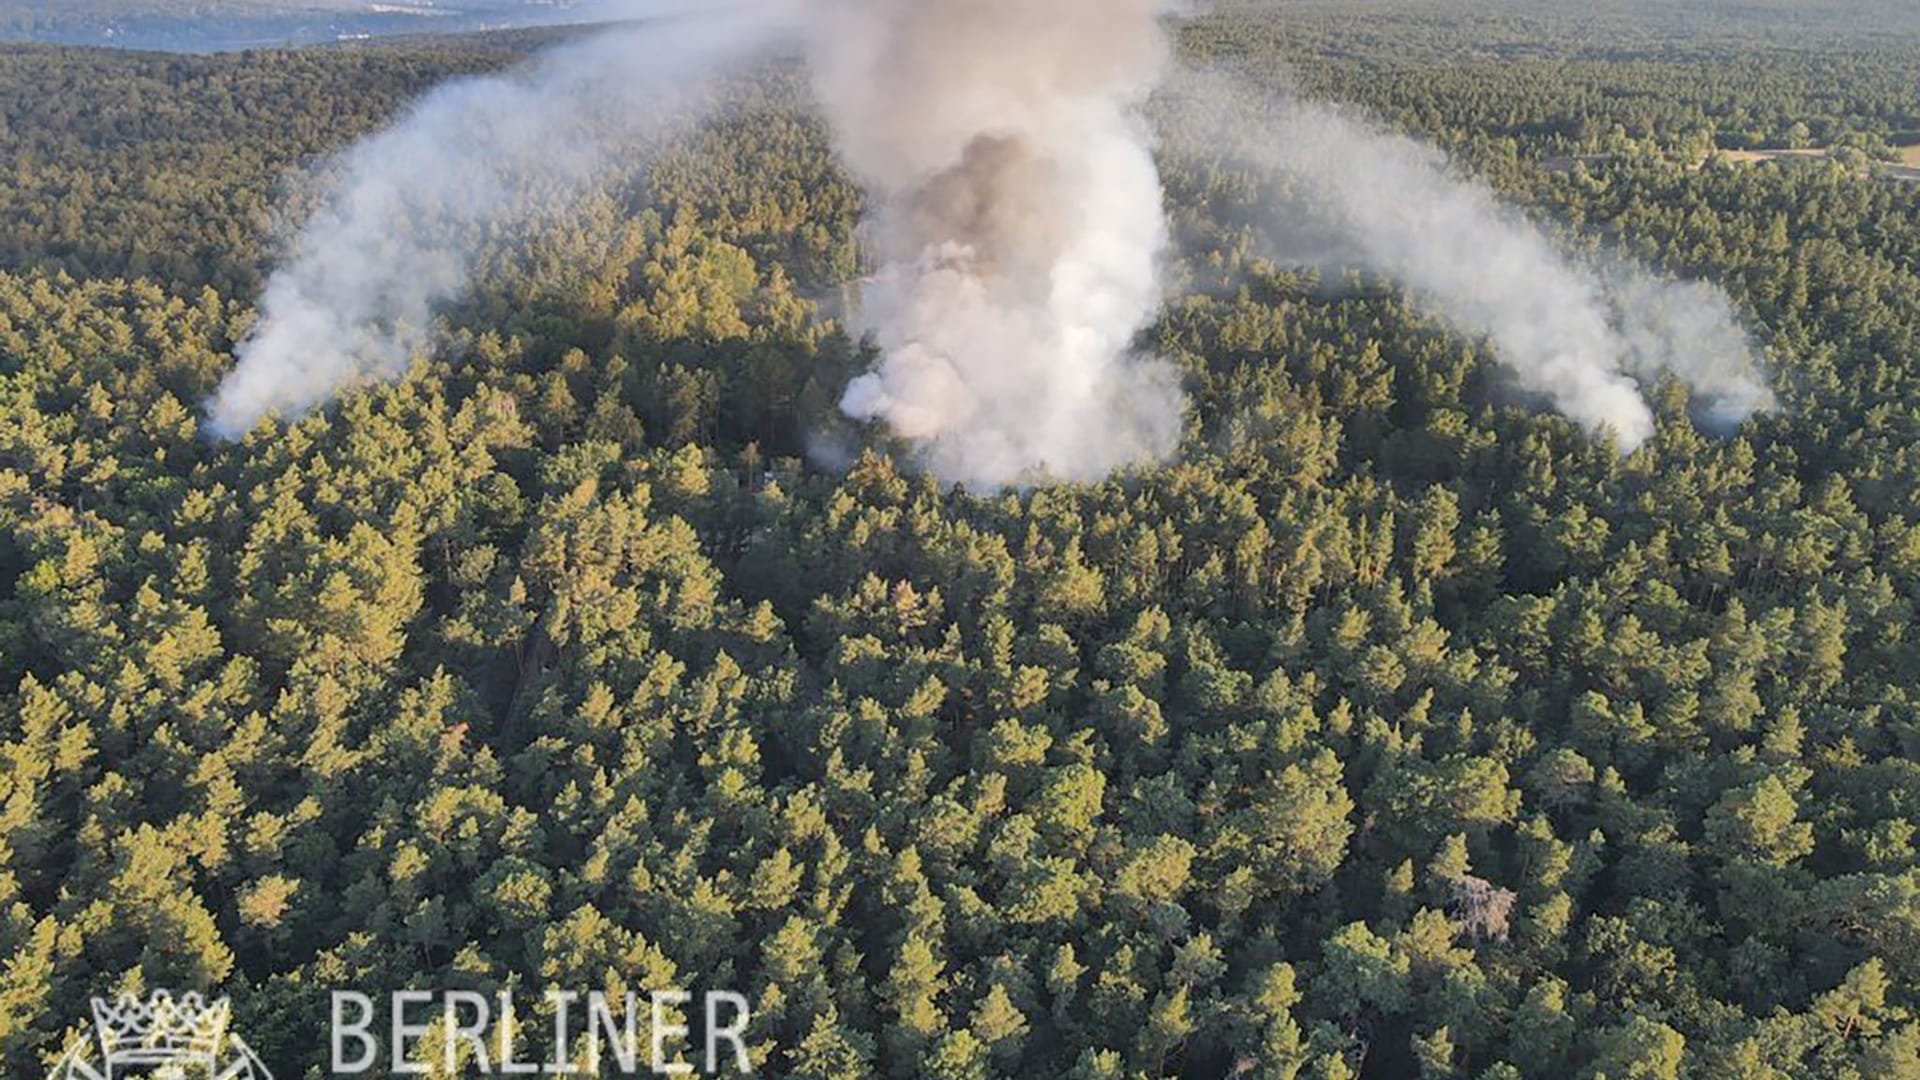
column 82, row 11
column 98, row 11
column 200, row 9
column 214, row 25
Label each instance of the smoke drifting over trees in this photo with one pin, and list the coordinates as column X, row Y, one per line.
column 395, row 239
column 1017, row 226
column 1573, row 334
column 1398, row 728
column 1019, row 229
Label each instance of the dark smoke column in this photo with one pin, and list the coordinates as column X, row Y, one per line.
column 1019, row 226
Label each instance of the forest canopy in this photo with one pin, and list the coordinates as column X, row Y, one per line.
column 1397, row 728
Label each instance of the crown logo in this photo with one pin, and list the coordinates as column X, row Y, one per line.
column 163, row 1037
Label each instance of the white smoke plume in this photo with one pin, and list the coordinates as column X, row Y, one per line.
column 411, row 206
column 1019, row 227
column 1018, row 213
column 1689, row 329
column 1573, row 334
column 1017, row 219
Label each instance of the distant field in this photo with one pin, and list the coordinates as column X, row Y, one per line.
column 1748, row 157
column 1909, row 169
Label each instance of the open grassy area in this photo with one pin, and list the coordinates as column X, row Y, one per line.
column 1908, row 169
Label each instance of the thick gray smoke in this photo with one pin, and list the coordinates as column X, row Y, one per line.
column 1018, row 225
column 1019, row 228
column 1018, row 217
column 412, row 206
column 1577, row 335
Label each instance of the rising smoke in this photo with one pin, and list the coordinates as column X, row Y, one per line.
column 1577, row 335
column 1688, row 329
column 409, row 208
column 1017, row 224
column 1019, row 228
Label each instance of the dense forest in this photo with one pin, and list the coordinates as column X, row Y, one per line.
column 1397, row 729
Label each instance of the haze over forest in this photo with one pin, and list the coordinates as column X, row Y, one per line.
column 226, row 25
column 1603, row 26
column 462, row 529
